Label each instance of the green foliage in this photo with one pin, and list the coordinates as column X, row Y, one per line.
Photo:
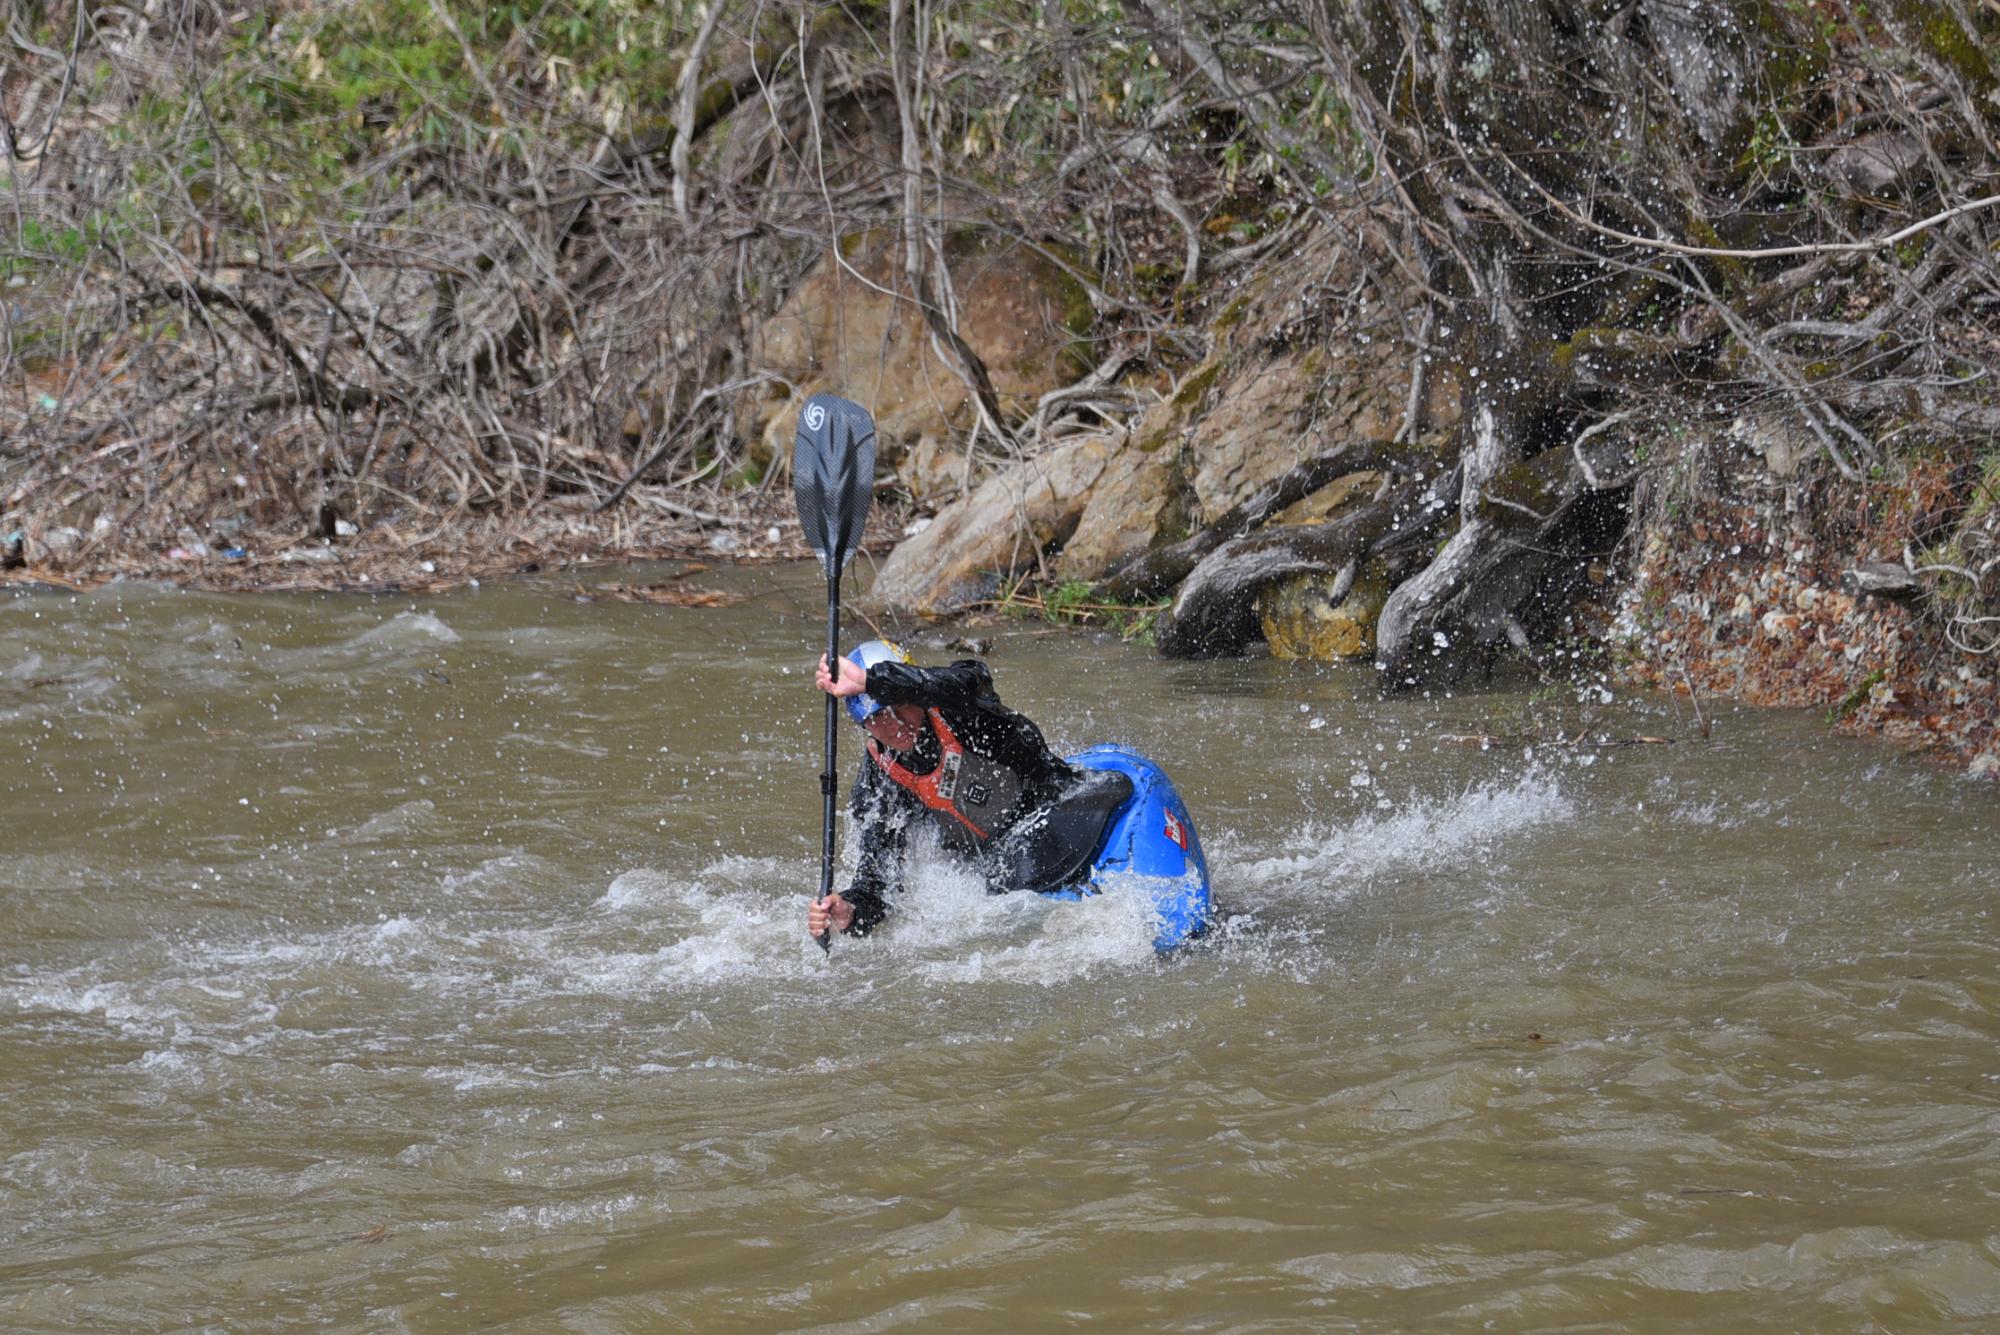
column 48, row 244
column 1073, row 602
column 1909, row 252
column 1771, row 145
column 1063, row 604
column 34, row 345
column 57, row 242
column 278, row 125
column 1823, row 21
column 395, row 56
column 1855, row 698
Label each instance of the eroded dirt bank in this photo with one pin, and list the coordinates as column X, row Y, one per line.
column 1791, row 591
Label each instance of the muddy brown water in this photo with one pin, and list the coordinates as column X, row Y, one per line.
column 438, row 964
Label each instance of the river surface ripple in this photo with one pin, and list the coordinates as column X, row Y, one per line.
column 438, row 964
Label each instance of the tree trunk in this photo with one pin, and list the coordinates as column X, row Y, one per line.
column 1215, row 612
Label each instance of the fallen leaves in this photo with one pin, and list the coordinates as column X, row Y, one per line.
column 1756, row 612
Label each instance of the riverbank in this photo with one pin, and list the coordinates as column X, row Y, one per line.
column 425, row 557
column 1794, row 590
column 1744, row 603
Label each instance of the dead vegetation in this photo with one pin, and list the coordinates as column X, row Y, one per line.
column 423, row 267
column 1625, row 230
column 305, row 271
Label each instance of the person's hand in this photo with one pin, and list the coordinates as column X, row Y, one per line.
column 853, row 679
column 833, row 911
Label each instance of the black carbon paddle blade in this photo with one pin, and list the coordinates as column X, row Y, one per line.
column 833, row 476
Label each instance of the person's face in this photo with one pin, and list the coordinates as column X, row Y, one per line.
column 896, row 726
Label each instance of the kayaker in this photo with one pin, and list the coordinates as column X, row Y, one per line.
column 941, row 748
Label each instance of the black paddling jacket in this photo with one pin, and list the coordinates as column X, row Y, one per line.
column 999, row 746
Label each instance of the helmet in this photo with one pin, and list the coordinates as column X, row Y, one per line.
column 867, row 654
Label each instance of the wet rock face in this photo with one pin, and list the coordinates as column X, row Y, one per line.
column 1271, row 395
column 1701, row 47
column 1880, row 163
column 847, row 329
column 1235, row 424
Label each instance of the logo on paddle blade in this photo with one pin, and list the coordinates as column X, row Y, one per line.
column 1176, row 831
column 815, row 417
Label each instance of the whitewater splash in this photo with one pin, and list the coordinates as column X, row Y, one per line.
column 730, row 923
column 1419, row 833
column 945, row 928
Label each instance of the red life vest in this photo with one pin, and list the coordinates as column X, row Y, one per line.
column 976, row 792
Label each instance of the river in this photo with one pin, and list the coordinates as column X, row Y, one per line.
column 437, row 964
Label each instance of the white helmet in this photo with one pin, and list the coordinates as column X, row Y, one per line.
column 867, row 654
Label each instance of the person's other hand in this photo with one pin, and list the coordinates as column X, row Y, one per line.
column 833, row 911
column 853, row 679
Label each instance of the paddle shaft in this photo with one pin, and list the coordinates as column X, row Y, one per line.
column 826, row 777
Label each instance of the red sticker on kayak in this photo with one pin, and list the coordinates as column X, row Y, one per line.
column 1176, row 831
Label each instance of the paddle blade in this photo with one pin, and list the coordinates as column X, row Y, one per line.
column 833, row 475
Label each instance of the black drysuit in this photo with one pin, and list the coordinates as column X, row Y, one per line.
column 884, row 809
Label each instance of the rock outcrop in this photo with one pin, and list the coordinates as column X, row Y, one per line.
column 1272, row 415
column 1253, row 411
column 1139, row 503
column 850, row 329
column 1004, row 528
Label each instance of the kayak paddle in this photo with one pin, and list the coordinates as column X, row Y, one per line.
column 833, row 479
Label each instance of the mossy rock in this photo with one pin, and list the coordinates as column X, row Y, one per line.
column 1301, row 621
column 1943, row 37
column 1336, row 495
column 1192, row 396
column 1231, row 315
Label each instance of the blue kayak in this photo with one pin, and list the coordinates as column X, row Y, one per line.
column 1148, row 841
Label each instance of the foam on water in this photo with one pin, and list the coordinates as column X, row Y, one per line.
column 730, row 950
column 25, row 668
column 651, row 888
column 731, row 922
column 395, row 929
column 736, row 922
column 636, row 889
column 465, row 1079
column 167, row 1062
column 492, row 873
column 113, row 1001
column 1055, row 942
column 731, row 927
